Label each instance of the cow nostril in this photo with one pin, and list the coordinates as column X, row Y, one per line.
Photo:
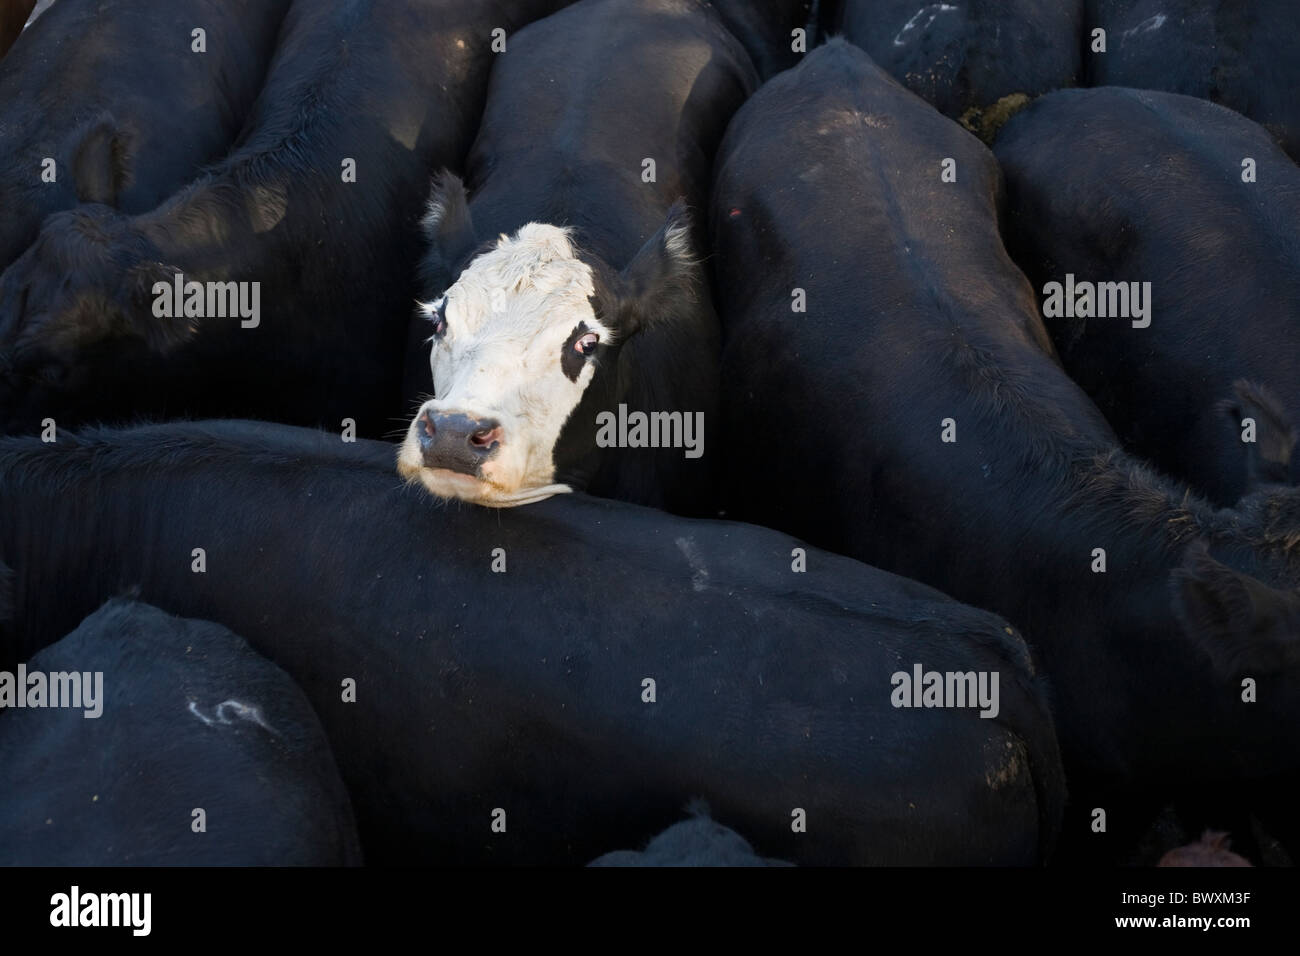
column 426, row 425
column 485, row 437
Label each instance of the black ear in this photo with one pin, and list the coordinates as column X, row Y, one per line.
column 1268, row 458
column 664, row 274
column 101, row 160
column 449, row 231
column 162, row 334
column 1239, row 621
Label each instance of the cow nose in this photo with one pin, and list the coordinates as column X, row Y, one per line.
column 457, row 442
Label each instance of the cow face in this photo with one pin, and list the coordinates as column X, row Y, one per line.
column 85, row 281
column 525, row 350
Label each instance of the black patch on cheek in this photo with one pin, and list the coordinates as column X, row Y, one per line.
column 579, row 461
column 571, row 360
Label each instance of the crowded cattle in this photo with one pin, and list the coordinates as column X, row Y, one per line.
column 971, row 440
column 478, row 673
column 648, row 433
column 1199, row 353
column 106, row 127
column 974, row 61
column 278, row 281
column 1245, row 56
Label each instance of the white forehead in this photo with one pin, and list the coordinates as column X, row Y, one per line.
column 530, row 282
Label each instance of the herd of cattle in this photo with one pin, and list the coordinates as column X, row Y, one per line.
column 496, row 432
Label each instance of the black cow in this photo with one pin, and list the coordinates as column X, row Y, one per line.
column 1245, row 56
column 569, row 692
column 169, row 717
column 591, row 308
column 1151, row 194
column 13, row 16
column 914, row 417
column 976, row 61
column 116, row 95
column 318, row 204
column 696, row 841
column 767, row 30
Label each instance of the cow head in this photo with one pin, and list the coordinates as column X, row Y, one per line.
column 527, row 347
column 1244, row 625
column 1269, row 456
column 95, row 164
column 85, row 281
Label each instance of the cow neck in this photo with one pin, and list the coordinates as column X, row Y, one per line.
column 211, row 230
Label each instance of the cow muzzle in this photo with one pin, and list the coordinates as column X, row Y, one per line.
column 457, row 442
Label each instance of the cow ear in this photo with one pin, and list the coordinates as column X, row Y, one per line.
column 1239, row 621
column 101, row 160
column 146, row 282
column 1268, row 457
column 449, row 231
column 664, row 276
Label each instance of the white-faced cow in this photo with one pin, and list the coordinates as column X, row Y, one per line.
column 577, row 347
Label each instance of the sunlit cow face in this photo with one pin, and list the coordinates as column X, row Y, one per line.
column 525, row 350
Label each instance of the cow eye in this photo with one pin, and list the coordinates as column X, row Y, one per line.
column 439, row 318
column 587, row 343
